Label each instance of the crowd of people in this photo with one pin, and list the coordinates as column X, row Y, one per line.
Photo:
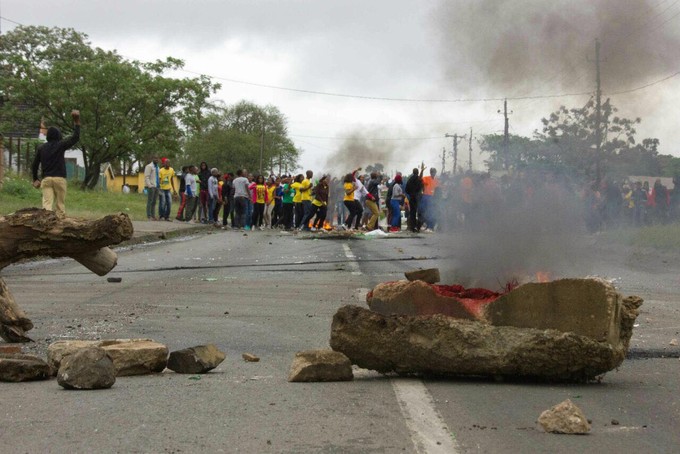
column 358, row 201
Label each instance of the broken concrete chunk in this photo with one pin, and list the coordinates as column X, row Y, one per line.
column 195, row 360
column 250, row 357
column 320, row 365
column 429, row 275
column 564, row 418
column 87, row 368
column 130, row 356
column 588, row 307
column 441, row 345
column 18, row 367
column 415, row 298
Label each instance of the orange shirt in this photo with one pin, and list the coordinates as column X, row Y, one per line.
column 429, row 185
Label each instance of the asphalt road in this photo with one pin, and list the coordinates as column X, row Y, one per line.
column 273, row 294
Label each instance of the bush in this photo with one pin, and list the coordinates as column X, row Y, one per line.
column 17, row 186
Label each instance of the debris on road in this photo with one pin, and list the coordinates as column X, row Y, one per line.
column 10, row 349
column 87, row 368
column 249, row 357
column 195, row 360
column 18, row 367
column 673, row 343
column 574, row 329
column 130, row 356
column 320, row 366
column 564, row 418
column 33, row 232
column 429, row 275
column 114, row 279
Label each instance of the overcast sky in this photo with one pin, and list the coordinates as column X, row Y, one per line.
column 398, row 49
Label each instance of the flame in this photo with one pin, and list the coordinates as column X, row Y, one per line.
column 327, row 226
column 543, row 276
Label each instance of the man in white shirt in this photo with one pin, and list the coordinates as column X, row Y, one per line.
column 151, row 183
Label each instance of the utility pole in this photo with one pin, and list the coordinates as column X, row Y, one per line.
column 506, row 134
column 443, row 159
column 470, row 152
column 598, row 115
column 261, row 147
column 455, row 137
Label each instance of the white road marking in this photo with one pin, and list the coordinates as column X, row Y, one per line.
column 429, row 432
column 353, row 265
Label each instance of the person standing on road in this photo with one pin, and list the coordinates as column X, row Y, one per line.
column 227, row 199
column 396, row 201
column 427, row 207
column 204, row 193
column 288, row 194
column 259, row 202
column 151, row 183
column 414, row 186
column 319, row 204
column 271, row 202
column 213, row 195
column 167, row 183
column 50, row 158
column 297, row 200
column 352, row 205
column 373, row 201
column 190, row 189
column 306, row 199
column 241, row 196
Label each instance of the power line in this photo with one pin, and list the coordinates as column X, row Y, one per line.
column 621, row 92
column 365, row 138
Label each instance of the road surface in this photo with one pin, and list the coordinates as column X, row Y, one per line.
column 273, row 294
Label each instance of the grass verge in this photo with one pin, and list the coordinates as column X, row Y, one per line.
column 17, row 192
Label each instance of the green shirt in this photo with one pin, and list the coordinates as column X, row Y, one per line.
column 288, row 193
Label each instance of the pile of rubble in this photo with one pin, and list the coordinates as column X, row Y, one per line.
column 568, row 329
column 82, row 364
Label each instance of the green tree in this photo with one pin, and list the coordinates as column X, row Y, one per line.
column 129, row 109
column 570, row 135
column 242, row 136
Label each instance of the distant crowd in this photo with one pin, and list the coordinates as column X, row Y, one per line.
column 358, row 201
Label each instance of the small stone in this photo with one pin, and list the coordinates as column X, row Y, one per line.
column 195, row 360
column 564, row 418
column 250, row 357
column 114, row 279
column 673, row 343
column 615, row 422
column 320, row 365
column 88, row 368
column 429, row 275
column 18, row 367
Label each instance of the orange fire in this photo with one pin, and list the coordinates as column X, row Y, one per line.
column 326, row 225
column 543, row 276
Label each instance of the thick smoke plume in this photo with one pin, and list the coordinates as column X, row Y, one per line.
column 359, row 148
column 537, row 46
column 511, row 236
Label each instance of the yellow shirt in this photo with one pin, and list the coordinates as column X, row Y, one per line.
column 307, row 195
column 260, row 191
column 270, row 193
column 298, row 195
column 348, row 187
column 165, row 176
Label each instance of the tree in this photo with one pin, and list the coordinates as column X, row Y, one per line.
column 129, row 109
column 571, row 136
column 238, row 136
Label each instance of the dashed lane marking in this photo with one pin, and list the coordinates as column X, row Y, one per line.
column 429, row 432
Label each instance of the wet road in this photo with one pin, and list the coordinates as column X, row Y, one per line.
column 272, row 295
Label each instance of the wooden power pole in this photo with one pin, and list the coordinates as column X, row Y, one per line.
column 455, row 137
column 598, row 115
column 470, row 152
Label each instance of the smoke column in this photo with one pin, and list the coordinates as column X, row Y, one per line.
column 535, row 46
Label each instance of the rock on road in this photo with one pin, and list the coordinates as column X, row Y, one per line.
column 272, row 295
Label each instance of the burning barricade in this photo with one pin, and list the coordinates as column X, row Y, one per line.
column 568, row 329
